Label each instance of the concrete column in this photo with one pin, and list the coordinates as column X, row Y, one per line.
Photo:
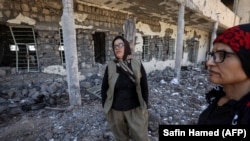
column 179, row 44
column 69, row 39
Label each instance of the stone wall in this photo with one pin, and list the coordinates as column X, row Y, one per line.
column 45, row 17
column 47, row 48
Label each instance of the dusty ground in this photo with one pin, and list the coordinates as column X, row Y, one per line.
column 169, row 103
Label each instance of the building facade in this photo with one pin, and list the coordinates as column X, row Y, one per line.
column 31, row 38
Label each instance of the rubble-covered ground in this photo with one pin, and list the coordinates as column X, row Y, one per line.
column 35, row 106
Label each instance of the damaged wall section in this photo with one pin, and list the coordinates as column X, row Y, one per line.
column 155, row 40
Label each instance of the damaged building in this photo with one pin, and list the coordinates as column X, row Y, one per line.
column 36, row 56
column 32, row 39
column 165, row 35
column 162, row 33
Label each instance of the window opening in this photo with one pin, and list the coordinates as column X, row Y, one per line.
column 159, row 48
column 23, row 47
column 99, row 47
column 61, row 48
column 145, row 48
column 169, row 48
column 168, row 45
column 165, row 41
column 193, row 46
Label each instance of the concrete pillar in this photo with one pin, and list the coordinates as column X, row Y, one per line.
column 179, row 44
column 69, row 39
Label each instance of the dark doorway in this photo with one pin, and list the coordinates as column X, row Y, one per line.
column 6, row 56
column 99, row 47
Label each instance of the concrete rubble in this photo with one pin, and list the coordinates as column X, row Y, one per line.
column 33, row 105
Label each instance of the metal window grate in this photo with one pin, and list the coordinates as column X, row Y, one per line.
column 145, row 54
column 193, row 51
column 171, row 49
column 23, row 39
column 159, row 48
column 61, row 47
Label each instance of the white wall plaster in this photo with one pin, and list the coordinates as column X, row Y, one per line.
column 58, row 69
column 114, row 5
column 210, row 8
column 163, row 3
column 160, row 65
column 145, row 29
column 244, row 11
column 79, row 26
column 138, row 42
column 55, row 69
column 80, row 17
column 84, row 27
column 22, row 19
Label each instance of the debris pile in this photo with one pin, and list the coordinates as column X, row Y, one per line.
column 33, row 105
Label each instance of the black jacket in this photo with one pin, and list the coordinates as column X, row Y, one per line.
column 125, row 97
column 231, row 113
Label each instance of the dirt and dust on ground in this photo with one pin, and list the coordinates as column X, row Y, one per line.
column 35, row 106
